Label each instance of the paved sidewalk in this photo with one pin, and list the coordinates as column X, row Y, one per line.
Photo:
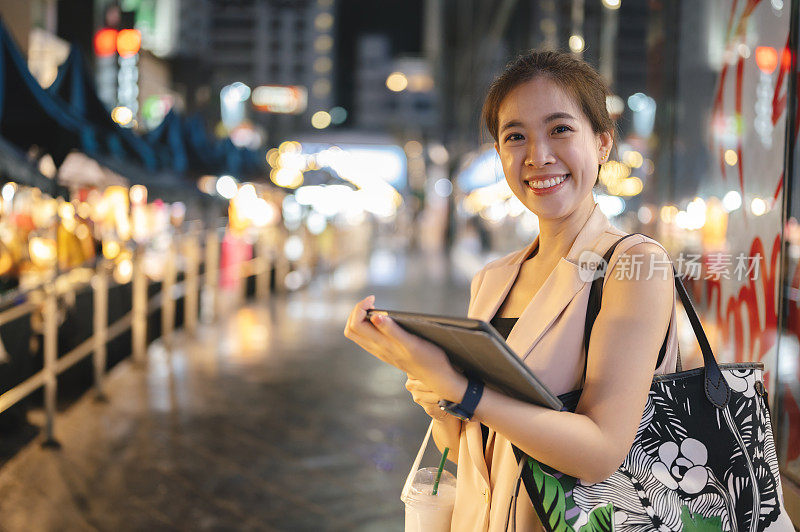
column 270, row 420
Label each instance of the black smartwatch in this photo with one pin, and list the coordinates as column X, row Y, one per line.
column 466, row 408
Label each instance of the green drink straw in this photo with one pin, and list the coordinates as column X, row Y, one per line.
column 439, row 471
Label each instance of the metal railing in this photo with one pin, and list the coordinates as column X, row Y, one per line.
column 194, row 288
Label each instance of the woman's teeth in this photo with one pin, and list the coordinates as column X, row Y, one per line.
column 547, row 183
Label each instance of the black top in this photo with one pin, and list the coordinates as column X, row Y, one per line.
column 503, row 326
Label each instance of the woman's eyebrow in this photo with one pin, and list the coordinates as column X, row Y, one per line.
column 557, row 116
column 510, row 123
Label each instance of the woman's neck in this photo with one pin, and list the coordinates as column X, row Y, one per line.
column 557, row 235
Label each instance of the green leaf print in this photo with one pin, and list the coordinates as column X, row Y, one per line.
column 601, row 519
column 567, row 485
column 698, row 523
column 551, row 495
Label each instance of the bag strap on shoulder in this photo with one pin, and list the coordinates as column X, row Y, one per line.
column 717, row 390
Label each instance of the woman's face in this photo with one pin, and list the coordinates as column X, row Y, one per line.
column 548, row 149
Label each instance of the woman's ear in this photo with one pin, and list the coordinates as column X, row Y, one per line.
column 496, row 148
column 606, row 139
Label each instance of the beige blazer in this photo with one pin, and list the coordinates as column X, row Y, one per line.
column 549, row 337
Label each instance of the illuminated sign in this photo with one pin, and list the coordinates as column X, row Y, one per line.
column 286, row 99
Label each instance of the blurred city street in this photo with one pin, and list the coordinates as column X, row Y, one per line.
column 195, row 193
column 270, row 420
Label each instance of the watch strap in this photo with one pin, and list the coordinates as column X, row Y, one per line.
column 466, row 408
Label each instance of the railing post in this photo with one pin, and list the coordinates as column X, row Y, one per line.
column 191, row 282
column 210, row 298
column 264, row 268
column 139, row 311
column 168, row 296
column 245, row 270
column 281, row 263
column 50, row 348
column 100, row 293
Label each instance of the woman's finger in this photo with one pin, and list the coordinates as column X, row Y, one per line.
column 416, row 385
column 359, row 313
column 428, row 398
column 387, row 326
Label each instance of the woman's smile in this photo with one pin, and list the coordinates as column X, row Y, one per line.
column 547, row 184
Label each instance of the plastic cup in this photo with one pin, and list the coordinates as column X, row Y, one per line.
column 426, row 512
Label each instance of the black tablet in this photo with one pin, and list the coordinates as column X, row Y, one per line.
column 477, row 349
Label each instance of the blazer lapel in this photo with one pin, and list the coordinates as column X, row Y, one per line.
column 496, row 284
column 560, row 287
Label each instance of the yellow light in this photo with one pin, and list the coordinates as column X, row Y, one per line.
column 613, row 172
column 668, row 213
column 731, row 158
column 323, row 43
column 122, row 115
column 138, row 194
column 207, row 184
column 321, row 119
column 286, row 178
column 396, row 82
column 123, row 271
column 413, row 148
column 576, row 43
column 633, row 159
column 323, row 22
column 758, row 206
column 322, row 65
column 631, row 186
column 111, row 249
column 66, row 211
column 272, row 157
column 84, row 210
column 612, row 4
column 82, row 232
column 42, row 251
column 289, row 146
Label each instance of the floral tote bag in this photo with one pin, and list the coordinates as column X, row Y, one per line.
column 703, row 458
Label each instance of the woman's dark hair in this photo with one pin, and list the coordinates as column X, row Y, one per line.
column 579, row 79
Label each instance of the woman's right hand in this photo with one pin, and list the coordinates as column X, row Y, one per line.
column 425, row 398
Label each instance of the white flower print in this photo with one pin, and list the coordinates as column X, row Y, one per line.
column 742, row 381
column 683, row 468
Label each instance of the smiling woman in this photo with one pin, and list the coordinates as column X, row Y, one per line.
column 546, row 113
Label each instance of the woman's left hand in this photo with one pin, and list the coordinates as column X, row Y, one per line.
column 386, row 340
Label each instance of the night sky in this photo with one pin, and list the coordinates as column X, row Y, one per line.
column 400, row 19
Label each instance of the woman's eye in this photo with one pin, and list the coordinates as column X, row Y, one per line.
column 513, row 136
column 561, row 129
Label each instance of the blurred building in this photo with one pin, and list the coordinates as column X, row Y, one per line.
column 273, row 43
column 392, row 93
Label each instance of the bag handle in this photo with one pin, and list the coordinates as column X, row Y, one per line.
column 415, row 466
column 717, row 390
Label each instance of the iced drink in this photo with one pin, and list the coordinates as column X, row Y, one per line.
column 426, row 512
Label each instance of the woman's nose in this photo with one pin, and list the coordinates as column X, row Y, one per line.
column 539, row 155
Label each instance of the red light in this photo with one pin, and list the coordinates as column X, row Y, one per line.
column 105, row 42
column 766, row 59
column 786, row 59
column 128, row 42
